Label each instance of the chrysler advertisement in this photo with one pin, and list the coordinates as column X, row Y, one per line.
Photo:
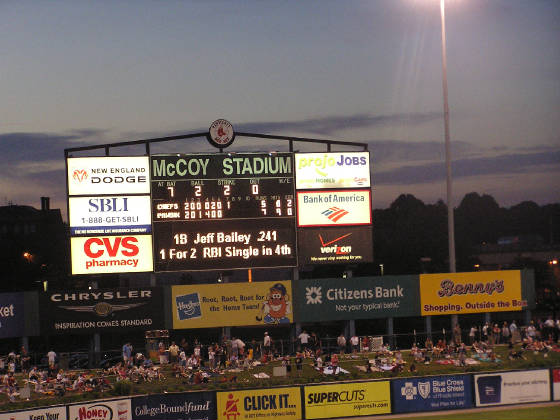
column 76, row 312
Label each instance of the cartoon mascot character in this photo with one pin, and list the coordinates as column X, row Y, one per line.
column 277, row 306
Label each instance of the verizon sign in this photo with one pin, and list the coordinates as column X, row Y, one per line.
column 333, row 208
column 335, row 245
column 111, row 254
column 108, row 175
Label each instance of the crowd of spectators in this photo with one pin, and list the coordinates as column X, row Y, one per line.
column 196, row 362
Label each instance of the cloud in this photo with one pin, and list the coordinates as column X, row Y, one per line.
column 36, row 147
column 503, row 164
column 332, row 124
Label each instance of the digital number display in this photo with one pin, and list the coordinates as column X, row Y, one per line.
column 223, row 211
column 224, row 199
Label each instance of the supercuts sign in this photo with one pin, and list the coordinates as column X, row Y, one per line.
column 335, row 245
column 111, row 254
column 101, row 310
column 108, row 175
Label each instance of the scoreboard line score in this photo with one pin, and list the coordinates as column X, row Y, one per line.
column 226, row 211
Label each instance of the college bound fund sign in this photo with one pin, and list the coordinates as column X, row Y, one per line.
column 232, row 304
column 356, row 298
column 464, row 293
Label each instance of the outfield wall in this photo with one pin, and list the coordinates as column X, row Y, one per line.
column 248, row 304
column 319, row 401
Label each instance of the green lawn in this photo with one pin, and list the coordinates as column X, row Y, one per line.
column 245, row 379
column 531, row 413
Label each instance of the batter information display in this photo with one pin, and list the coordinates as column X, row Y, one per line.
column 223, row 211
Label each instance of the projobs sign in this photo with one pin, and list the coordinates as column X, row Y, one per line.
column 332, row 170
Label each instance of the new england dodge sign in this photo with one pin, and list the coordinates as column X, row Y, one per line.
column 101, row 310
column 356, row 298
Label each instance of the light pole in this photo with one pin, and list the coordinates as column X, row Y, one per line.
column 450, row 218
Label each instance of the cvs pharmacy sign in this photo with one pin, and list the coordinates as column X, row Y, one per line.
column 111, row 254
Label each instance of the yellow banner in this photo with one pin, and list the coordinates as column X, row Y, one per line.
column 275, row 403
column 347, row 399
column 465, row 293
column 232, row 304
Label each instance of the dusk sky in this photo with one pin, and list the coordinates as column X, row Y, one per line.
column 79, row 73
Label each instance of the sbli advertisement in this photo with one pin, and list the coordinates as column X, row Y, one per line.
column 319, row 300
column 232, row 304
column 276, row 403
column 347, row 400
column 465, row 293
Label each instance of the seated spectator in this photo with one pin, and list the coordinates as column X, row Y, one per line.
column 139, row 359
column 429, row 344
column 34, row 374
column 399, row 358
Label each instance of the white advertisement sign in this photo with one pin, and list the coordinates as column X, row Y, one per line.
column 333, row 208
column 111, row 254
column 101, row 410
column 48, row 413
column 556, row 384
column 512, row 387
column 332, row 170
column 110, row 215
column 108, row 175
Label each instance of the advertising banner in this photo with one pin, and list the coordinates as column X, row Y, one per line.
column 347, row 399
column 332, row 170
column 188, row 405
column 111, row 254
column 232, row 304
column 77, row 312
column 465, row 293
column 273, row 403
column 47, row 413
column 101, row 410
column 512, row 387
column 335, row 245
column 411, row 395
column 556, row 384
column 110, row 215
column 319, row 300
column 108, row 175
column 333, row 208
column 12, row 315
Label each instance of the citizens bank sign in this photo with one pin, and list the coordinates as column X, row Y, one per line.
column 356, row 298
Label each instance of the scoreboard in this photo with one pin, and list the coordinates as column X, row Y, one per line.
column 226, row 211
column 184, row 212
